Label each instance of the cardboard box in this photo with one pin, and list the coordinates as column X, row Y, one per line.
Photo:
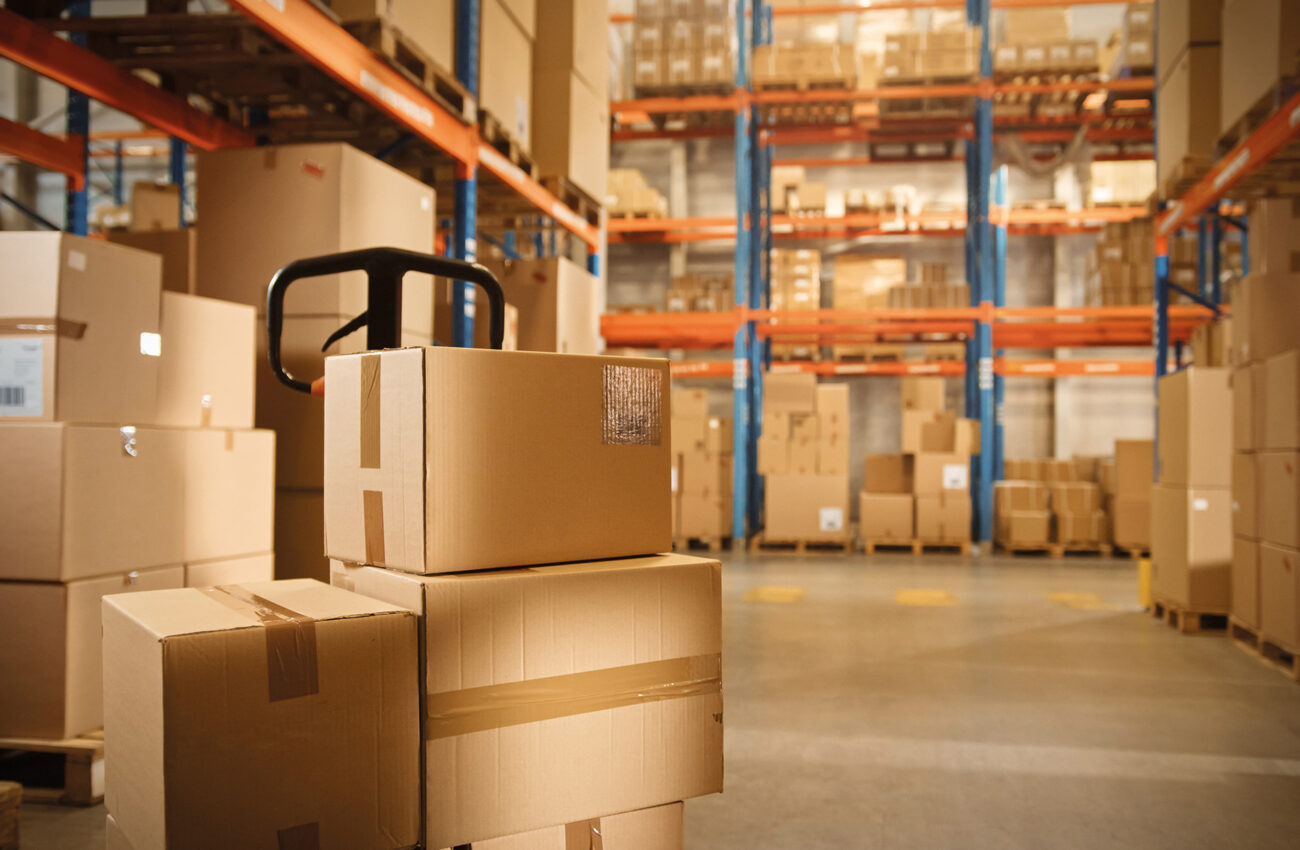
column 1260, row 41
column 1195, row 428
column 155, row 206
column 804, row 454
column 1187, row 109
column 639, row 639
column 506, row 71
column 705, row 473
column 887, row 474
column 331, row 673
column 1279, row 595
column 113, row 837
column 773, row 456
column 460, row 459
column 1272, row 240
column 885, row 516
column 789, row 392
column 575, row 35
column 943, row 517
column 205, row 373
column 228, row 492
column 1262, row 307
column 426, row 24
column 523, row 13
column 937, row 473
column 570, row 133
column 833, row 453
column 1036, row 25
column 231, row 570
column 336, row 198
column 833, row 407
column 922, row 393
column 1245, row 581
column 1081, row 527
column 692, row 403
column 706, row 517
column 1134, row 468
column 1180, row 23
column 805, row 427
column 1243, row 402
column 1278, row 505
column 1082, row 497
column 557, row 303
column 50, row 651
column 1191, row 547
column 719, row 434
column 1027, row 526
column 300, row 535
column 928, row 431
column 657, row 828
column 78, row 330
column 84, row 500
column 1131, row 522
column 1245, row 495
column 1281, row 398
column 176, row 249
column 807, row 507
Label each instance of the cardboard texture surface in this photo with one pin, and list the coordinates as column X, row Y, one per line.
column 78, row 330
column 231, row 570
column 1245, row 494
column 1131, row 522
column 557, row 304
column 427, row 24
column 922, row 393
column 229, row 492
column 1180, row 23
column 205, row 373
column 234, row 717
column 1278, row 475
column 113, row 837
column 502, row 758
column 658, row 828
column 570, row 133
column 1243, row 403
column 155, row 206
column 1195, row 428
column 885, row 516
column 1262, row 307
column 1191, row 547
column 176, row 249
column 446, row 460
column 888, row 474
column 1271, row 242
column 50, row 651
column 1279, row 594
column 1134, row 468
column 1261, row 39
column 1027, row 526
column 1281, row 397
column 789, row 392
column 943, row 517
column 1245, row 581
column 300, row 535
column 807, row 507
column 574, row 35
column 940, row 473
column 505, row 80
column 1188, row 109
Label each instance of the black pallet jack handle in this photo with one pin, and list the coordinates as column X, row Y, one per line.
column 384, row 268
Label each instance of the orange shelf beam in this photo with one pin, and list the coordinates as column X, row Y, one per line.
column 45, row 53
column 903, row 5
column 67, row 156
column 1074, row 368
column 1007, row 368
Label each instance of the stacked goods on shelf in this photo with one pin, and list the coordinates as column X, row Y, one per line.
column 919, row 57
column 1191, row 515
column 886, row 505
column 1022, row 517
column 1037, row 43
column 1136, row 54
column 804, row 67
column 129, row 456
column 1058, row 504
column 682, row 47
column 1187, row 102
column 793, row 194
column 420, row 31
column 1122, row 265
column 701, row 457
column 862, row 282
column 1123, row 182
column 339, row 199
column 702, row 293
column 1260, row 41
column 796, row 287
column 1212, row 343
column 629, row 195
column 940, row 446
column 1128, row 494
column 931, row 290
column 507, row 37
column 804, row 454
column 571, row 95
column 555, row 301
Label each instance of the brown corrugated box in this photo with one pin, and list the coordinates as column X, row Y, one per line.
column 885, row 516
column 557, row 304
column 789, row 392
column 1281, row 397
column 238, row 570
column 1187, row 110
column 1260, row 41
column 1278, row 476
column 1272, row 240
column 570, row 133
column 1131, row 522
column 1245, row 494
column 658, row 828
column 78, row 330
column 1195, row 428
column 1244, row 428
column 1027, row 526
column 1279, row 594
column 234, row 718
column 176, row 249
column 429, row 25
column 155, row 206
column 505, row 79
column 228, row 493
column 461, row 459
column 50, row 658
column 1180, row 23
column 922, row 393
column 807, row 507
column 1191, row 546
column 940, row 472
column 887, row 473
column 205, row 372
column 574, row 35
column 1263, row 306
column 1082, row 527
column 943, row 517
column 1245, row 581
column 631, row 646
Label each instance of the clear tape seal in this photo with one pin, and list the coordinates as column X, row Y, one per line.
column 632, row 409
column 291, row 665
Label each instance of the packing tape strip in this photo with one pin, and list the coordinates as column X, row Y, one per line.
column 370, row 366
column 302, row 837
column 55, row 326
column 515, row 703
column 291, row 665
column 372, row 517
column 583, row 835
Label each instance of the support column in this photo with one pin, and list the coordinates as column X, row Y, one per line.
column 983, row 287
column 464, row 241
column 741, row 379
column 77, row 208
column 176, row 173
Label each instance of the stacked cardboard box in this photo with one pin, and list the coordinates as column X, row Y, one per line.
column 1137, row 50
column 1260, row 41
column 1077, row 514
column 1123, row 182
column 1128, row 494
column 862, row 282
column 339, row 199
column 556, row 302
column 1034, row 26
column 1212, row 343
column 792, row 192
column 425, row 28
column 886, row 505
column 701, row 479
column 795, row 286
column 804, row 453
column 916, row 296
column 804, row 66
column 683, row 46
column 1187, row 107
column 1191, row 515
column 1121, row 269
column 1065, row 56
column 704, row 293
column 628, row 194
column 1022, row 514
column 917, row 56
column 128, row 455
column 507, row 36
column 571, row 94
column 939, row 446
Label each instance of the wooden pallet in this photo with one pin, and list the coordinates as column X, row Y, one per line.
column 919, row 546
column 1244, row 637
column 404, row 55
column 854, row 354
column 574, row 198
column 646, row 214
column 492, row 131
column 872, row 545
column 761, row 542
column 1254, row 643
column 713, row 544
column 1134, row 553
column 684, row 90
column 1263, row 109
column 1027, row 548
column 1105, row 550
column 1184, row 175
column 1189, row 622
column 805, row 84
column 70, row 772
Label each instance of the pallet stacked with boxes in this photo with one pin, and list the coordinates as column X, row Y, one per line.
column 683, row 46
column 628, row 195
column 931, row 289
column 1128, row 495
column 1121, row 268
column 699, row 293
column 130, row 463
column 804, row 454
column 264, row 208
column 1056, row 506
column 795, row 287
column 499, row 632
column 507, row 37
column 702, row 480
column 1187, row 101
column 793, row 194
column 863, row 283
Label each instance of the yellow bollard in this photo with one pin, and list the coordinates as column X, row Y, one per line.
column 1144, row 582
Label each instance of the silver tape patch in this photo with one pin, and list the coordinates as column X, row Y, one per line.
column 633, row 406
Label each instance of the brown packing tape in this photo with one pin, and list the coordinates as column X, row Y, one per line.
column 42, row 326
column 515, row 703
column 583, row 835
column 291, row 665
column 370, row 364
column 302, row 837
column 372, row 517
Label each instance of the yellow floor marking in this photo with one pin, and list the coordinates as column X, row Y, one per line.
column 1082, row 602
column 772, row 593
column 922, row 598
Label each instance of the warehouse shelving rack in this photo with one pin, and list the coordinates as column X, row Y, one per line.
column 404, row 111
column 988, row 327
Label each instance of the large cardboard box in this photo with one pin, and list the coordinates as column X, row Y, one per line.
column 229, row 493
column 300, row 535
column 1272, row 240
column 704, row 517
column 789, row 392
column 1025, row 526
column 943, row 517
column 1245, row 581
column 885, row 516
column 266, row 207
column 557, row 303
column 231, row 570
column 1191, row 547
column 429, row 25
column 657, row 828
column 887, row 474
column 833, row 408
column 1261, row 39
column 1131, row 522
column 113, row 837
column 807, row 507
column 922, row 393
column 1279, row 594
column 937, row 473
column 1279, row 497
column 574, row 35
column 570, row 128
column 505, row 79
column 1081, row 527
column 176, row 249
column 155, row 206
column 928, row 431
column 50, row 651
column 1281, row 397
column 773, row 455
column 1134, row 468
column 85, row 500
column 1180, row 23
column 250, row 715
column 205, row 373
column 78, row 330
column 553, row 695
column 1263, row 305
column 1187, row 110
column 1195, row 428
column 1245, row 494
column 1243, row 404
column 459, row 459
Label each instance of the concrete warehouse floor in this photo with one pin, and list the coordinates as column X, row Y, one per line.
column 930, row 703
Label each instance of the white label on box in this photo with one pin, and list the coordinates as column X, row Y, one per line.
column 955, row 476
column 21, row 374
column 831, row 519
column 425, row 206
column 1200, row 504
column 76, row 261
column 151, row 344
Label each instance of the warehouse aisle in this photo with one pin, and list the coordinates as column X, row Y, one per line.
column 927, row 704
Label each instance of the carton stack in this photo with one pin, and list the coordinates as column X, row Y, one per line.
column 1122, row 182
column 1022, row 513
column 1128, row 494
column 1260, row 41
column 498, row 633
column 886, row 505
column 1078, row 516
column 507, row 38
column 939, row 446
column 1187, row 102
column 422, row 28
column 704, row 293
column 804, row 453
column 1136, row 56
column 129, row 461
column 155, row 226
column 1191, row 513
column 804, row 66
column 339, row 199
column 701, row 479
column 629, row 195
column 683, row 46
column 1121, row 269
column 862, row 283
column 913, row 57
column 795, row 286
column 794, row 194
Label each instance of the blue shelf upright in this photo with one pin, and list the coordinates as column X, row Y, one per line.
column 999, row 300
column 463, row 236
column 744, row 378
column 77, row 207
column 176, row 173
